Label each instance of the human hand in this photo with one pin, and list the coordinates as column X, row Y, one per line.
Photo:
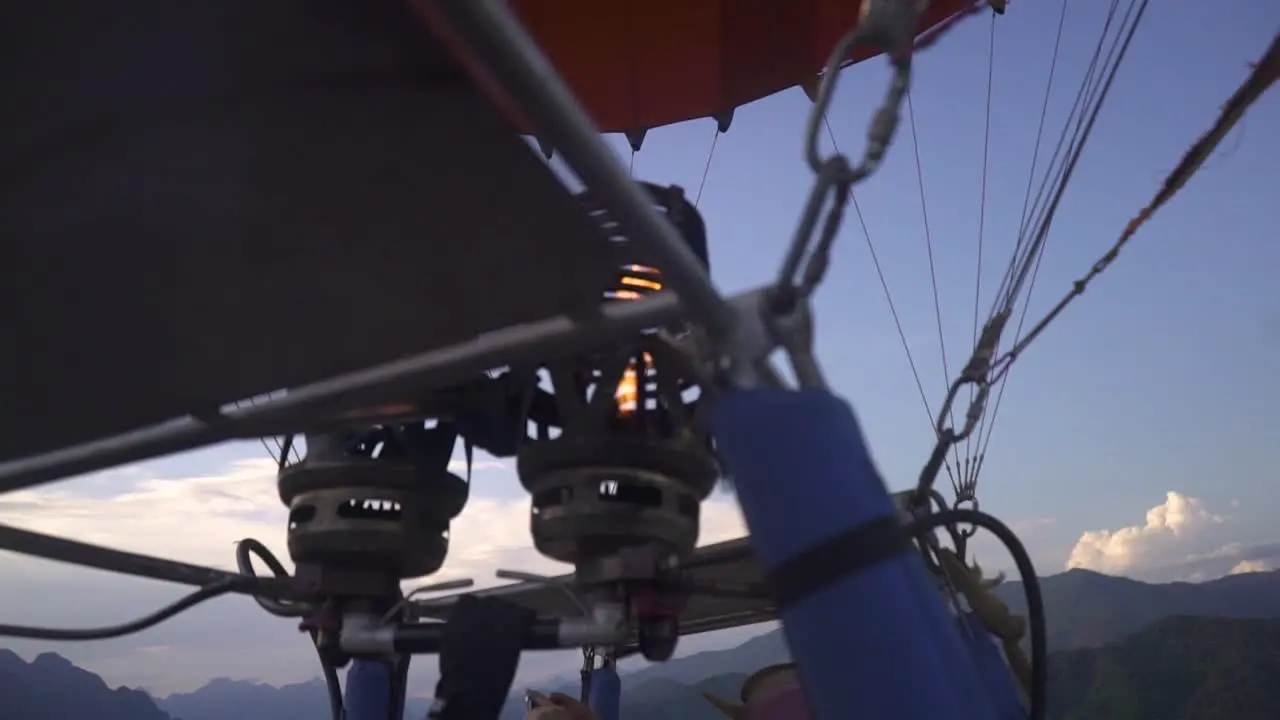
column 557, row 706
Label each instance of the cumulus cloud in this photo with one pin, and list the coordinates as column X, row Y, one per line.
column 193, row 519
column 1170, row 545
column 1168, row 534
column 1231, row 558
column 198, row 519
column 1250, row 566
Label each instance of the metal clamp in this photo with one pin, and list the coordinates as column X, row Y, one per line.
column 976, row 373
column 786, row 313
column 889, row 24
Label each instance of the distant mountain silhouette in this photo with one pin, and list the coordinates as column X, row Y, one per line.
column 1089, row 609
column 301, row 701
column 679, row 682
column 1126, row 650
column 1181, row 668
column 51, row 688
column 750, row 656
column 1086, row 610
column 224, row 699
column 664, row 699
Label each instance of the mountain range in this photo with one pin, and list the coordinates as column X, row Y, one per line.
column 1179, row 668
column 1121, row 649
column 51, row 688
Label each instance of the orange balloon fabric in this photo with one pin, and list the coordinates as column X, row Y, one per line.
column 639, row 65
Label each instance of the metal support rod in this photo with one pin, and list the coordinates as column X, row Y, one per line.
column 367, row 635
column 48, row 547
column 488, row 28
column 548, row 339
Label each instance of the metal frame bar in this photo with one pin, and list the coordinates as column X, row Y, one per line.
column 56, row 549
column 548, row 339
column 513, row 57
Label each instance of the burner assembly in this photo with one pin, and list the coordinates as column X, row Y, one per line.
column 620, row 457
column 616, row 454
column 370, row 508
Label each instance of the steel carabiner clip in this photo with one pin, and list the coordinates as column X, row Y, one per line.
column 971, row 416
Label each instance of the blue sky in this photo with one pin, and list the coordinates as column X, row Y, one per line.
column 1155, row 382
column 1157, row 378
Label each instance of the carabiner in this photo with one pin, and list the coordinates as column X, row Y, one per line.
column 972, row 415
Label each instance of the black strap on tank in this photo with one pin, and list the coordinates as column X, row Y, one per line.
column 479, row 651
column 845, row 554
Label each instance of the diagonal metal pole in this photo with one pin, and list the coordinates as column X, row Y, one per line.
column 48, row 547
column 550, row 338
column 512, row 58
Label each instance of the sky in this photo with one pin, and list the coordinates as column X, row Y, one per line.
column 1133, row 438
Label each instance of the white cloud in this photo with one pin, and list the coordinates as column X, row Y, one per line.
column 460, row 466
column 198, row 520
column 1230, row 550
column 1250, row 566
column 1168, row 534
column 1229, row 558
column 193, row 519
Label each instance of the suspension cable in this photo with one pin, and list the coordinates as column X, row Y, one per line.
column 888, row 296
column 968, row 478
column 1265, row 73
column 706, row 169
column 928, row 240
column 1090, row 101
column 978, row 457
column 1084, row 126
column 985, row 367
column 1052, row 175
column 933, row 272
column 1053, row 172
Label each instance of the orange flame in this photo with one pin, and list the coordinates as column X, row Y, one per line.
column 628, row 393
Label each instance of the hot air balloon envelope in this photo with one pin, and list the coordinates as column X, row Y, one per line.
column 637, row 66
